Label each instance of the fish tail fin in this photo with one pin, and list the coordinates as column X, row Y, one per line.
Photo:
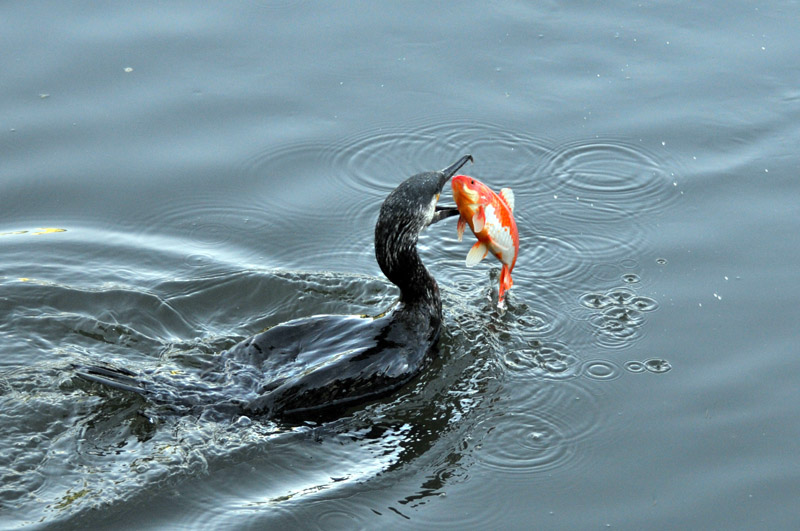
column 505, row 282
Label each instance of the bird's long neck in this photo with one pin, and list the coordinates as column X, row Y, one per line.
column 396, row 252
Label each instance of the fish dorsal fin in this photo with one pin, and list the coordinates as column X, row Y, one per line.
column 477, row 253
column 508, row 195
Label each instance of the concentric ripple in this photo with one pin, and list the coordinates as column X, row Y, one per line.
column 513, row 154
column 341, row 517
column 601, row 370
column 350, row 178
column 606, row 180
column 315, row 213
column 525, row 442
column 205, row 221
column 533, row 433
column 634, row 366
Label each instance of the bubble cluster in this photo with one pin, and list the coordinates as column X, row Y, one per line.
column 551, row 361
column 618, row 315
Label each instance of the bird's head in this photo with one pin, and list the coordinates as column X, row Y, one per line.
column 405, row 213
column 413, row 202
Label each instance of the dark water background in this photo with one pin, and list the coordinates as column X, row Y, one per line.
column 216, row 169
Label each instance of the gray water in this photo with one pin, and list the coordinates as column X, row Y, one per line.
column 176, row 177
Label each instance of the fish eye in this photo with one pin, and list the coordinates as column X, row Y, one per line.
column 472, row 181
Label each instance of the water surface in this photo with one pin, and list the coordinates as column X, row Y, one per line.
column 175, row 178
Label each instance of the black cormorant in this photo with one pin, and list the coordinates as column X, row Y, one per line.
column 310, row 366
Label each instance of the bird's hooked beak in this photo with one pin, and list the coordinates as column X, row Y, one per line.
column 451, row 170
column 444, row 175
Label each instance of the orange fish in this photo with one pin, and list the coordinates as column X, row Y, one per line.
column 490, row 217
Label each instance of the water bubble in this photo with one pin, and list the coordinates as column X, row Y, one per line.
column 630, row 278
column 657, row 365
column 541, row 361
column 622, row 314
column 644, row 304
column 619, row 314
column 621, row 296
column 595, row 301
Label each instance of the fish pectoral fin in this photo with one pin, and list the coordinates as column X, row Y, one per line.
column 477, row 253
column 508, row 196
column 462, row 224
column 478, row 221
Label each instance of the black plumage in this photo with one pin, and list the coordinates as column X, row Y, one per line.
column 316, row 364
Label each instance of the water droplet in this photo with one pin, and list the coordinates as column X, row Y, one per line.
column 657, row 365
column 621, row 296
column 644, row 304
column 595, row 300
column 197, row 260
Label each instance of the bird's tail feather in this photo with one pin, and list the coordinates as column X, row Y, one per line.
column 181, row 392
column 113, row 377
